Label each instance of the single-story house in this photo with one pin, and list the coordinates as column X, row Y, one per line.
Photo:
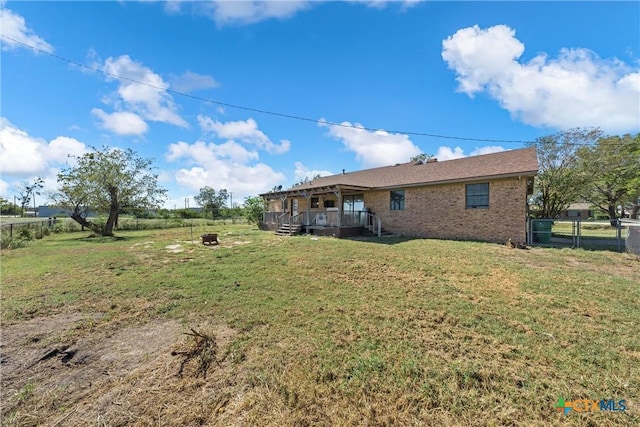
column 578, row 210
column 473, row 198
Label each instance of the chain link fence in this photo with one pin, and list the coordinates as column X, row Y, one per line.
column 613, row 235
column 16, row 232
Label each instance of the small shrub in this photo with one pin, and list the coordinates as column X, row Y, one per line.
column 71, row 226
column 58, row 227
column 8, row 242
column 25, row 233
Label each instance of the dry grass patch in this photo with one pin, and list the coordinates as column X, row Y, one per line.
column 294, row 331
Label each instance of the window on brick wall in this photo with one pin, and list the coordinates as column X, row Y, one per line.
column 477, row 196
column 315, row 202
column 397, row 200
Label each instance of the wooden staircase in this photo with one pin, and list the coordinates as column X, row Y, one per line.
column 289, row 229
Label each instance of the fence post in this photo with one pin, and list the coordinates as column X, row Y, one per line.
column 619, row 234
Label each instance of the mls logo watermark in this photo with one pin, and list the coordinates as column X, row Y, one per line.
column 588, row 405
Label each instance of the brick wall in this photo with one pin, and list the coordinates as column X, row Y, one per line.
column 438, row 211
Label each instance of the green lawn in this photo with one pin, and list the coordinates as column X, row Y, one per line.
column 386, row 331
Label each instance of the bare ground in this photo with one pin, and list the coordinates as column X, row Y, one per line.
column 74, row 369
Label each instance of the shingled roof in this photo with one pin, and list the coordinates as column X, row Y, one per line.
column 521, row 162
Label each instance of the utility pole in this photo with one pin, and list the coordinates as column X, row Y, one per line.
column 231, row 204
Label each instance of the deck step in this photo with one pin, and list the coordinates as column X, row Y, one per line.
column 368, row 233
column 289, row 230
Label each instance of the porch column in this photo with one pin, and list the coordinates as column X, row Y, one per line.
column 339, row 195
column 308, row 219
column 284, row 207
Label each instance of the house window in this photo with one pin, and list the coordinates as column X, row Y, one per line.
column 353, row 203
column 315, row 202
column 329, row 203
column 284, row 205
column 397, row 200
column 477, row 196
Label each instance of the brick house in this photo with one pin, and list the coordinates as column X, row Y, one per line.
column 578, row 210
column 473, row 198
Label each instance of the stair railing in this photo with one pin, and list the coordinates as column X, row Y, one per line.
column 373, row 224
column 280, row 219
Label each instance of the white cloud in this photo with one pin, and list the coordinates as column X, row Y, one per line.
column 373, row 148
column 62, row 149
column 227, row 165
column 448, row 153
column 189, row 82
column 203, row 152
column 243, row 12
column 381, row 4
column 4, row 189
column 244, row 131
column 15, row 27
column 302, row 172
column 121, row 122
column 23, row 157
column 576, row 89
column 487, row 150
column 249, row 12
column 20, row 153
column 141, row 91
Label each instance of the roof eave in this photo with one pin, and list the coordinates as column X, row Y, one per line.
column 459, row 180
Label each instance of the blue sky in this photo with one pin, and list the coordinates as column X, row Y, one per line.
column 375, row 82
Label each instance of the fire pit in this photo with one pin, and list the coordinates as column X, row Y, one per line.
column 209, row 239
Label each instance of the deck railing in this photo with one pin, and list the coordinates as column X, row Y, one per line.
column 327, row 218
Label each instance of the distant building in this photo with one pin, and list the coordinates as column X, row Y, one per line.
column 51, row 211
column 578, row 210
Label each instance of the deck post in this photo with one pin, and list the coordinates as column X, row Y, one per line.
column 339, row 194
column 306, row 222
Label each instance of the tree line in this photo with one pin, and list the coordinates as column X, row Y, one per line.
column 116, row 182
column 584, row 165
column 577, row 165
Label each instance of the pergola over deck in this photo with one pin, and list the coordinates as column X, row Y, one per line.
column 340, row 224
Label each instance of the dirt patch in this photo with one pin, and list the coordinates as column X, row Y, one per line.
column 174, row 248
column 60, row 371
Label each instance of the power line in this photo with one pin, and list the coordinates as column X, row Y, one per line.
column 262, row 111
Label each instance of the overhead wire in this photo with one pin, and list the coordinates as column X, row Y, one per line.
column 268, row 112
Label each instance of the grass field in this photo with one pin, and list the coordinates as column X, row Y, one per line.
column 314, row 331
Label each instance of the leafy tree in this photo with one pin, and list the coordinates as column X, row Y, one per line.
column 7, row 208
column 254, row 210
column 28, row 190
column 557, row 183
column 212, row 200
column 610, row 172
column 110, row 182
column 302, row 181
column 422, row 157
column 187, row 213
